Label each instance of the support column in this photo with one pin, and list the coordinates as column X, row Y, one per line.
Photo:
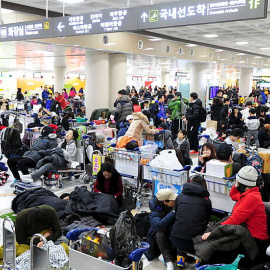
column 165, row 78
column 97, row 81
column 246, row 79
column 198, row 80
column 117, row 76
column 59, row 78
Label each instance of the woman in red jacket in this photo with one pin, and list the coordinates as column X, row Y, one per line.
column 249, row 208
column 62, row 102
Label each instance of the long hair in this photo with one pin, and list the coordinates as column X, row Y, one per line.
column 213, row 150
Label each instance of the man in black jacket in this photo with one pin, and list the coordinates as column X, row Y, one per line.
column 193, row 121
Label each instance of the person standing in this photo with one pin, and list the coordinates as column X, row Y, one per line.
column 193, row 121
column 176, row 106
column 253, row 124
column 161, row 112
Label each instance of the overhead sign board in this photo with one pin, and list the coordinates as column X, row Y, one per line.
column 95, row 23
column 26, row 30
column 191, row 12
column 178, row 13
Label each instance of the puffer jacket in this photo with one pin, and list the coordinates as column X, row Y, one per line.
column 140, row 122
column 252, row 123
column 70, row 151
column 193, row 113
column 41, row 143
column 123, row 109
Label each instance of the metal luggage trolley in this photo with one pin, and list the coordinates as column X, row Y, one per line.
column 78, row 259
column 157, row 138
column 56, row 176
column 219, row 189
column 9, row 247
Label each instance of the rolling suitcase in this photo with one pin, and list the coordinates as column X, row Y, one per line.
column 23, row 186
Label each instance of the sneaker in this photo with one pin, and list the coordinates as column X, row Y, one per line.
column 193, row 152
column 14, row 182
column 197, row 263
column 180, row 261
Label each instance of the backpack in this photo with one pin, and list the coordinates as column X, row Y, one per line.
column 142, row 223
column 153, row 109
column 98, row 113
column 254, row 160
column 82, row 130
column 184, row 106
column 203, row 114
column 11, row 142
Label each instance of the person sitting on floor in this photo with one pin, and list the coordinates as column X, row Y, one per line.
column 249, row 211
column 161, row 219
column 58, row 158
column 264, row 136
column 47, row 140
column 109, row 181
column 232, row 139
column 224, row 153
column 193, row 209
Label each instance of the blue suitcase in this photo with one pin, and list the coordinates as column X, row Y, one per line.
column 23, row 186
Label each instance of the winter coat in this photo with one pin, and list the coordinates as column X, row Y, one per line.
column 193, row 113
column 160, row 222
column 19, row 96
column 184, row 146
column 147, row 95
column 62, row 102
column 162, row 112
column 44, row 94
column 65, row 95
column 216, row 111
column 168, row 144
column 192, row 211
column 252, row 123
column 123, row 128
column 41, row 144
column 175, row 106
column 250, row 210
column 225, row 238
column 233, row 120
column 70, row 151
column 140, row 122
column 123, row 109
column 264, row 137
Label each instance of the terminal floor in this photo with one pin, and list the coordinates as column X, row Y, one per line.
column 6, row 197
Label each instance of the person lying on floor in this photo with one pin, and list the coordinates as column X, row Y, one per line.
column 58, row 158
column 47, row 140
column 161, row 219
column 109, row 181
column 246, row 228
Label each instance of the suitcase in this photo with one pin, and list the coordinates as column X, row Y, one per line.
column 23, row 186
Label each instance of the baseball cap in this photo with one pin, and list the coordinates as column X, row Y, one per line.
column 166, row 195
column 129, row 117
column 247, row 176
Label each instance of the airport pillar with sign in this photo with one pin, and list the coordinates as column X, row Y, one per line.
column 198, row 80
column 246, row 80
column 59, row 78
column 165, row 78
column 118, row 76
column 97, row 81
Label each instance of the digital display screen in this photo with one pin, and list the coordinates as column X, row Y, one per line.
column 213, row 91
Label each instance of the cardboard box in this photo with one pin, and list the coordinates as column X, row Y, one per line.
column 219, row 168
column 265, row 155
column 211, row 123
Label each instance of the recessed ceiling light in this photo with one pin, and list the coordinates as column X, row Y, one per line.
column 191, row 45
column 148, row 49
column 240, row 54
column 265, row 49
column 211, row 36
column 241, row 43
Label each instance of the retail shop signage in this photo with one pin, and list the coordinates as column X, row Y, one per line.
column 192, row 12
column 96, row 23
column 26, row 30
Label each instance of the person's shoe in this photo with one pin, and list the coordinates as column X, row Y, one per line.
column 193, row 152
column 197, row 263
column 180, row 261
column 14, row 182
column 170, row 266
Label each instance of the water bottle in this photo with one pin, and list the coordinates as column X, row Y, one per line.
column 151, row 122
column 138, row 204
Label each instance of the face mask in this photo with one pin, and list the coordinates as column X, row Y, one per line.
column 241, row 188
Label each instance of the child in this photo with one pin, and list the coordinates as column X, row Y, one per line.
column 234, row 137
column 253, row 124
column 182, row 143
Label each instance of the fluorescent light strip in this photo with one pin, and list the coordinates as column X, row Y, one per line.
column 211, row 36
column 241, row 43
column 191, row 45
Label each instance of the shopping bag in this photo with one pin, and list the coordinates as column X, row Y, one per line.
column 97, row 245
column 211, row 124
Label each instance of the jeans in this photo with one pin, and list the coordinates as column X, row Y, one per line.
column 166, row 248
column 254, row 134
column 19, row 163
column 42, row 170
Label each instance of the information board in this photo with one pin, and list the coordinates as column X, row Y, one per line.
column 26, row 30
column 96, row 23
column 191, row 12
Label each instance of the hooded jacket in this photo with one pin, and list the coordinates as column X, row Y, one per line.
column 62, row 102
column 140, row 122
column 192, row 211
column 162, row 112
column 123, row 109
column 193, row 113
column 216, row 111
column 175, row 106
column 252, row 123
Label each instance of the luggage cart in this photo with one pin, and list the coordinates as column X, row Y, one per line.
column 9, row 247
column 157, row 138
column 219, row 189
column 77, row 258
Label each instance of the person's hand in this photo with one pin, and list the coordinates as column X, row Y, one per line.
column 236, row 184
column 115, row 197
column 47, row 234
column 201, row 159
column 205, row 236
column 161, row 118
column 40, row 244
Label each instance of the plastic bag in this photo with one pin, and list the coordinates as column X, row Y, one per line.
column 124, row 238
column 233, row 266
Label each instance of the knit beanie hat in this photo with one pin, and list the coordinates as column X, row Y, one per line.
column 247, row 176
